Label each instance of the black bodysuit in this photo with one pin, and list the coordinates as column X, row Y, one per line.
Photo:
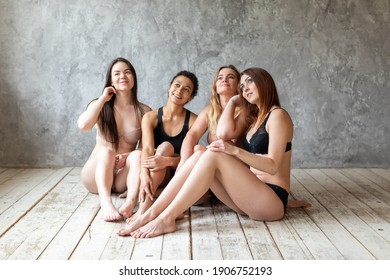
column 160, row 136
column 258, row 144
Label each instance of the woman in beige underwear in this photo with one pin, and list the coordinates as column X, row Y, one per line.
column 117, row 116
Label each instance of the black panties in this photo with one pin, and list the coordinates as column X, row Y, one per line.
column 281, row 193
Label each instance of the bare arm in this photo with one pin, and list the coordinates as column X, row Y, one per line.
column 148, row 124
column 280, row 132
column 89, row 117
column 230, row 125
column 193, row 136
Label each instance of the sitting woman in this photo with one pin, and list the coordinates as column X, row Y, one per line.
column 117, row 115
column 225, row 86
column 253, row 180
column 163, row 131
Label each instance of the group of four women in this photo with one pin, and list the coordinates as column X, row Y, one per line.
column 246, row 164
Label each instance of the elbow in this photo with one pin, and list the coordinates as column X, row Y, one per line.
column 273, row 171
column 274, row 168
column 83, row 126
column 223, row 135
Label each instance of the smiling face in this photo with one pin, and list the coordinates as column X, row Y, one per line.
column 248, row 89
column 121, row 77
column 180, row 91
column 227, row 82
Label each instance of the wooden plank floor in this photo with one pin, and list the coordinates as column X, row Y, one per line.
column 48, row 214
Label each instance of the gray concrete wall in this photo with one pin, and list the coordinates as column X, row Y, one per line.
column 330, row 60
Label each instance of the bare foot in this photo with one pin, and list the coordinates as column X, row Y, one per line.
column 298, row 204
column 133, row 217
column 138, row 222
column 181, row 216
column 123, row 195
column 154, row 228
column 126, row 210
column 142, row 207
column 109, row 212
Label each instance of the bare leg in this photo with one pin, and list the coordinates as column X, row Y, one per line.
column 254, row 197
column 164, row 149
column 165, row 198
column 98, row 176
column 132, row 182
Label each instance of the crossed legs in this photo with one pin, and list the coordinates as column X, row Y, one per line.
column 165, row 198
column 238, row 188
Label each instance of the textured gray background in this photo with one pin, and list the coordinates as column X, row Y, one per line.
column 330, row 61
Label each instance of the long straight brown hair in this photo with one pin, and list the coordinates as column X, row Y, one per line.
column 106, row 120
column 268, row 94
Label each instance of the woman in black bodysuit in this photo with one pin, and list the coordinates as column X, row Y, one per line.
column 163, row 131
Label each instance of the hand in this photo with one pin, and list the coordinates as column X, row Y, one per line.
column 154, row 163
column 146, row 188
column 108, row 93
column 120, row 161
column 236, row 100
column 223, row 146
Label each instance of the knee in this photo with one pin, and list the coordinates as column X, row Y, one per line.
column 198, row 148
column 134, row 158
column 210, row 154
column 165, row 149
column 88, row 181
column 106, row 154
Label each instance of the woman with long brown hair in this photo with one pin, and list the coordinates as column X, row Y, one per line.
column 117, row 116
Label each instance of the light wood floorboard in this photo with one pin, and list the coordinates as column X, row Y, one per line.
column 47, row 214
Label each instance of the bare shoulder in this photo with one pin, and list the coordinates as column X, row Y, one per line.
column 150, row 119
column 193, row 118
column 205, row 111
column 145, row 107
column 279, row 121
column 280, row 114
column 151, row 115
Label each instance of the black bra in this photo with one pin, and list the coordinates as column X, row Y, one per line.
column 258, row 144
column 176, row 141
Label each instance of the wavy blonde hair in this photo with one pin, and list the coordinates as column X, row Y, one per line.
column 215, row 101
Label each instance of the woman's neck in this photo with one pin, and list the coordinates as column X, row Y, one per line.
column 174, row 109
column 122, row 100
column 224, row 100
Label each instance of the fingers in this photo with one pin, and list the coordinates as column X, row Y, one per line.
column 150, row 163
column 145, row 192
column 141, row 196
column 149, row 193
column 218, row 145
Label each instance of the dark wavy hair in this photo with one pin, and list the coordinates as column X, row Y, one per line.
column 106, row 120
column 192, row 78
